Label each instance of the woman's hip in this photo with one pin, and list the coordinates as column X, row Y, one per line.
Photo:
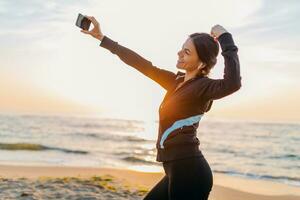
column 195, row 170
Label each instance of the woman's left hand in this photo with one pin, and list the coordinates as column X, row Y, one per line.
column 217, row 31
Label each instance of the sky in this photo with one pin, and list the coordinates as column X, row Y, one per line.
column 48, row 66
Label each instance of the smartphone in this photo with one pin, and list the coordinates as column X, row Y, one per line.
column 83, row 22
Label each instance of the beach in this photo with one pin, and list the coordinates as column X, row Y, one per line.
column 51, row 182
column 58, row 157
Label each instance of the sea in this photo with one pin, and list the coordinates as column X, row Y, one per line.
column 253, row 150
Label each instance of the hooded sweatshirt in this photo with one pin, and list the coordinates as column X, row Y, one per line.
column 181, row 110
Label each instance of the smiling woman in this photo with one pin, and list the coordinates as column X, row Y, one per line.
column 192, row 96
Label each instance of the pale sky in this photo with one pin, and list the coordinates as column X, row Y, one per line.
column 48, row 66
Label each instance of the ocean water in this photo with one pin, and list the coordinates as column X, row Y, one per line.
column 254, row 150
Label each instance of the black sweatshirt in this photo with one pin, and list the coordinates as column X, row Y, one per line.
column 181, row 110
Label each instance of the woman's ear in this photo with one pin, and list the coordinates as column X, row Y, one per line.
column 201, row 66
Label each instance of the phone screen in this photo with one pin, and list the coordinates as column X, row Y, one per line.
column 83, row 22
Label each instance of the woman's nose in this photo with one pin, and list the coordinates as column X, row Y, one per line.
column 179, row 52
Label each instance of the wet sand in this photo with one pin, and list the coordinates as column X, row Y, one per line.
column 31, row 182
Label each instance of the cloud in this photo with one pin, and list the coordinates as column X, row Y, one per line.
column 275, row 24
column 266, row 54
column 34, row 19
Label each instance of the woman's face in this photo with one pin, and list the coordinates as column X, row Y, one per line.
column 187, row 57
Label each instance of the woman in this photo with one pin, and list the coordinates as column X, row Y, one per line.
column 189, row 95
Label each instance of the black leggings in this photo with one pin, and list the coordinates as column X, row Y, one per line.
column 188, row 178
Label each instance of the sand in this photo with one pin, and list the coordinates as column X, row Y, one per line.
column 31, row 182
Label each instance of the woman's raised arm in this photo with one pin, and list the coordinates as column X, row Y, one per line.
column 231, row 82
column 163, row 77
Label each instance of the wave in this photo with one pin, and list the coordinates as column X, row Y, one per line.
column 292, row 180
column 112, row 137
column 134, row 139
column 286, row 156
column 36, row 147
column 136, row 159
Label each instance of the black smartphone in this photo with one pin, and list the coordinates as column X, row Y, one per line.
column 83, row 22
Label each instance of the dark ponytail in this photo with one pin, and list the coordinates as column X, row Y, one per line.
column 207, row 49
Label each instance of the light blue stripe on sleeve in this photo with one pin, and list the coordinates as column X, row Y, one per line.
column 179, row 124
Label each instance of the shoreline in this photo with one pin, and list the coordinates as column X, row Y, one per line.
column 225, row 186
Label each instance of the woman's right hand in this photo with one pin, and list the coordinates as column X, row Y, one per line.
column 96, row 31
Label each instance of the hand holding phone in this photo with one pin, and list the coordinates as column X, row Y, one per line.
column 83, row 22
column 96, row 31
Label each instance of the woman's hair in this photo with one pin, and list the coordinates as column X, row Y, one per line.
column 207, row 49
